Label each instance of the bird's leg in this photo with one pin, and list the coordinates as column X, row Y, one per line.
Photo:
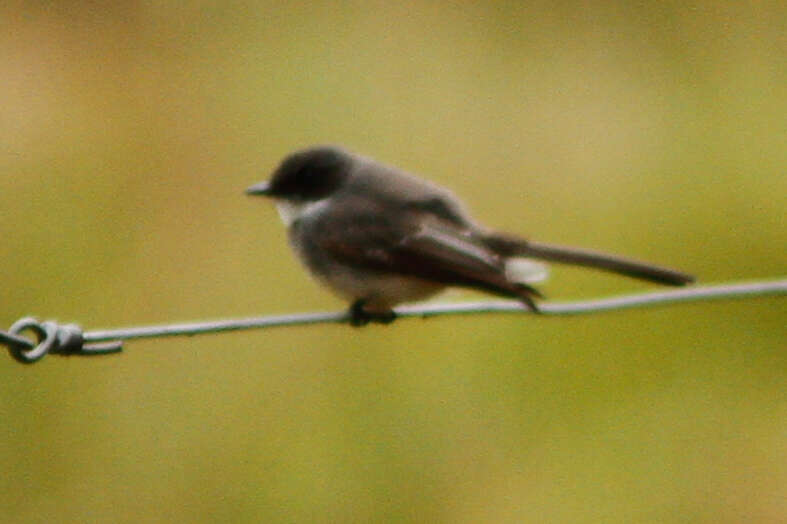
column 359, row 316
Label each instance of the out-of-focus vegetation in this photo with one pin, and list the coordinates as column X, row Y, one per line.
column 128, row 131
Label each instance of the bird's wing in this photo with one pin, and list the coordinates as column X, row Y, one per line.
column 412, row 243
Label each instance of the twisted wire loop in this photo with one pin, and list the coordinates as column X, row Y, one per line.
column 50, row 338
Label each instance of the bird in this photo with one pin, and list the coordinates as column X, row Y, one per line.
column 379, row 236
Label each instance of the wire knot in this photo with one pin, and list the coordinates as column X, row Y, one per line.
column 50, row 337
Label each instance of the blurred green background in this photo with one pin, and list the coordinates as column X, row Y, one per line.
column 128, row 131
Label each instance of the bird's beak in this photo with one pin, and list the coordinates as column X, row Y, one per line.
column 263, row 188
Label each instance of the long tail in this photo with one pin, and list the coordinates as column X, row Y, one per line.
column 512, row 246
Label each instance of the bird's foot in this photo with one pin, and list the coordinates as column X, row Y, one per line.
column 360, row 316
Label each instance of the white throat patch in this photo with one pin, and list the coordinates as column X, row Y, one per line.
column 291, row 211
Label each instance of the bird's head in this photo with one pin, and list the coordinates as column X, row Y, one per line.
column 307, row 175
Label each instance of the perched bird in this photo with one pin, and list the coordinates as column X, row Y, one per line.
column 378, row 236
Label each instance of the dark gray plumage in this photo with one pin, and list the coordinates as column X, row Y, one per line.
column 379, row 236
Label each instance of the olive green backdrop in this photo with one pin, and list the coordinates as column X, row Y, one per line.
column 128, row 131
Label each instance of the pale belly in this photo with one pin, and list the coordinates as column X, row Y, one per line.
column 380, row 292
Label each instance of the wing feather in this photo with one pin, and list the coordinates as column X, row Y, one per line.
column 412, row 243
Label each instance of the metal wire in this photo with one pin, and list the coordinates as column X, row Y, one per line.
column 9, row 339
column 70, row 340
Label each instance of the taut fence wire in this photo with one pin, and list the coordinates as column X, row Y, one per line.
column 50, row 337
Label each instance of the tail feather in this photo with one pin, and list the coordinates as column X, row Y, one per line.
column 511, row 246
column 526, row 293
